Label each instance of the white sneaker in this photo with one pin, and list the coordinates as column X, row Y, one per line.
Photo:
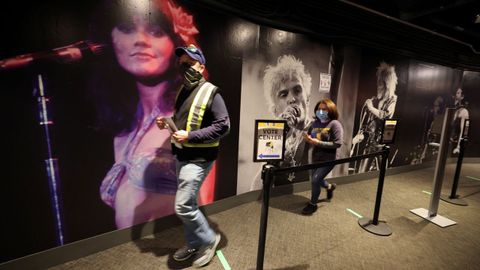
column 206, row 253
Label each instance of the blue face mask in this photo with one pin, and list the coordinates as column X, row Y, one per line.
column 322, row 115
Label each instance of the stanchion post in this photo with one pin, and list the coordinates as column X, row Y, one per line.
column 454, row 195
column 381, row 180
column 267, row 177
column 374, row 226
column 454, row 198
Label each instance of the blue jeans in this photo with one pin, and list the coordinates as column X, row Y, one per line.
column 318, row 181
column 190, row 177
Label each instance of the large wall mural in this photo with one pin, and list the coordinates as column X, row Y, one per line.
column 280, row 80
column 113, row 166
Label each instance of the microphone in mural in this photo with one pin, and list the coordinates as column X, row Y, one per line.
column 288, row 78
column 66, row 54
column 372, row 114
column 287, row 87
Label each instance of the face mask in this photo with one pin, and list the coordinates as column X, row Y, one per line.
column 322, row 115
column 191, row 77
column 183, row 68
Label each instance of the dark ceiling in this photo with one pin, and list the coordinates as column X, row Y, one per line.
column 458, row 19
column 438, row 31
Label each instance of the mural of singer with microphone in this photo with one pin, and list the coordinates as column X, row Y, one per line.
column 373, row 112
column 138, row 85
column 287, row 86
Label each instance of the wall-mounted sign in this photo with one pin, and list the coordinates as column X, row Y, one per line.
column 325, row 82
column 269, row 141
column 389, row 131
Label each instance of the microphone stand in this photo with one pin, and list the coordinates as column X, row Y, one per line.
column 51, row 163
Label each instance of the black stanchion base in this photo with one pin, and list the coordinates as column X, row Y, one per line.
column 381, row 228
column 457, row 201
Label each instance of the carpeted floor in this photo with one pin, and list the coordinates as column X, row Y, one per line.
column 331, row 238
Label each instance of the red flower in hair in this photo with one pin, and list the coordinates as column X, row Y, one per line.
column 182, row 23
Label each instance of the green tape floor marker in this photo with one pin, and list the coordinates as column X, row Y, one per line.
column 474, row 178
column 427, row 192
column 224, row 262
column 354, row 213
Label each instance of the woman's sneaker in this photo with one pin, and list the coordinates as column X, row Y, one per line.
column 330, row 191
column 184, row 253
column 309, row 209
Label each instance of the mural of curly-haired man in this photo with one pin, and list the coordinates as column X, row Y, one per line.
column 287, row 86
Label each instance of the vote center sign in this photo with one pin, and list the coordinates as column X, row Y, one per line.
column 269, row 140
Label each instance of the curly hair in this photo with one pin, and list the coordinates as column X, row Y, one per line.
column 287, row 68
column 386, row 74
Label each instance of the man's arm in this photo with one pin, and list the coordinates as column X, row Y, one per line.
column 462, row 114
column 388, row 113
column 219, row 127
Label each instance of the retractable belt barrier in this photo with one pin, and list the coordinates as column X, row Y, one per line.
column 269, row 171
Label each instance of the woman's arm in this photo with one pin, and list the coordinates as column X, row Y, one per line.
column 337, row 134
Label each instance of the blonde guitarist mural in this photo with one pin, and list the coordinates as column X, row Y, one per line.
column 373, row 112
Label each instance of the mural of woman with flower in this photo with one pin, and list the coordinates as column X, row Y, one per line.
column 137, row 85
